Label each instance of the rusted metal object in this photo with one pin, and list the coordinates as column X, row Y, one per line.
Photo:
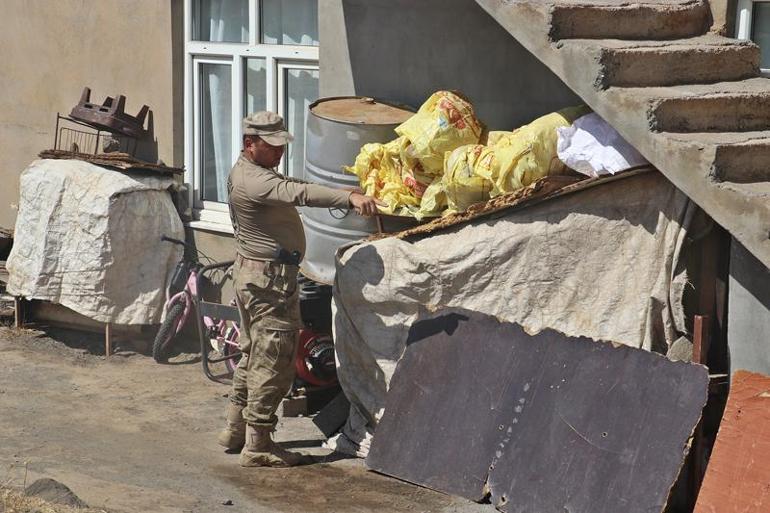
column 738, row 475
column 111, row 115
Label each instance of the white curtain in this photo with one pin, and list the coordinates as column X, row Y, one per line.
column 761, row 31
column 256, row 80
column 290, row 22
column 223, row 20
column 216, row 130
column 301, row 91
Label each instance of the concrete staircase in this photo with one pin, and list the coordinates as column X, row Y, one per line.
column 691, row 101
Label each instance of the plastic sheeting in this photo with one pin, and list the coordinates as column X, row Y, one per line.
column 89, row 239
column 592, row 147
column 601, row 263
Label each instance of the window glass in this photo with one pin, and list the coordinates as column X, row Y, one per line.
column 289, row 22
column 301, row 90
column 255, row 86
column 760, row 31
column 223, row 21
column 216, row 130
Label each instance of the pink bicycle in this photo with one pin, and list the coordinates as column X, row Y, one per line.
column 217, row 324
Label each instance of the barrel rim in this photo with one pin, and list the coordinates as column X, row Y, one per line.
column 310, row 108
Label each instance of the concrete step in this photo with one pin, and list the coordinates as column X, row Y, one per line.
column 699, row 60
column 739, row 157
column 648, row 19
column 724, row 107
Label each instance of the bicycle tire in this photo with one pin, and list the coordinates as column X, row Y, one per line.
column 231, row 363
column 167, row 332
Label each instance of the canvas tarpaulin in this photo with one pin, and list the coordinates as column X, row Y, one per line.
column 89, row 238
column 601, row 263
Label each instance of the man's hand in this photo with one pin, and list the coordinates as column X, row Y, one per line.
column 364, row 205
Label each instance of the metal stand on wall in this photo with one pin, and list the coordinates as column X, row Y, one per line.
column 18, row 312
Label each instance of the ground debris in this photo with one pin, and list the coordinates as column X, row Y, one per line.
column 53, row 491
column 12, row 501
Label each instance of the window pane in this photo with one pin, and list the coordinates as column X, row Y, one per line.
column 255, row 86
column 216, row 130
column 301, row 91
column 289, row 22
column 760, row 31
column 223, row 21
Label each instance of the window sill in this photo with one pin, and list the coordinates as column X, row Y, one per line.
column 211, row 227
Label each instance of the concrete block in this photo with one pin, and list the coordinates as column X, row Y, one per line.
column 690, row 61
column 613, row 20
column 740, row 112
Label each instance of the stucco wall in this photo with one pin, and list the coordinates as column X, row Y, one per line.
column 401, row 50
column 748, row 321
column 50, row 50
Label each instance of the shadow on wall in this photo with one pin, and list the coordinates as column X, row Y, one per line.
column 403, row 51
column 147, row 148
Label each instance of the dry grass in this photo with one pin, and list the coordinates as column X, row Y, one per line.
column 16, row 502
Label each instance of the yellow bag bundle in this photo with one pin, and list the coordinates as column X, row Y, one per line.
column 378, row 167
column 444, row 122
column 462, row 185
column 528, row 153
column 433, row 202
column 367, row 168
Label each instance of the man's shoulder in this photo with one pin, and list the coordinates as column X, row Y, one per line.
column 245, row 165
column 246, row 172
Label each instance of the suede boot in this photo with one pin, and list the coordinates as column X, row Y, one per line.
column 261, row 451
column 233, row 437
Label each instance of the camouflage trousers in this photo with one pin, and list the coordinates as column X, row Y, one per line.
column 268, row 301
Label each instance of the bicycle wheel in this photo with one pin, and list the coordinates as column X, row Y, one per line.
column 167, row 332
column 230, row 347
column 231, row 363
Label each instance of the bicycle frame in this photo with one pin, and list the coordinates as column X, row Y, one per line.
column 207, row 325
column 206, row 312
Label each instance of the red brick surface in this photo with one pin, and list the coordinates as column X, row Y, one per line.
column 738, row 475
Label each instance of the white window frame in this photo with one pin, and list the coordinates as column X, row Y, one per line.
column 211, row 214
column 743, row 23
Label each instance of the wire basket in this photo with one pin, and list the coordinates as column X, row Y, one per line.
column 75, row 136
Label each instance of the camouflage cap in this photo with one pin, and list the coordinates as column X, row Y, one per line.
column 268, row 126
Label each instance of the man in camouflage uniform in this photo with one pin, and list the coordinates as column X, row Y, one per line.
column 267, row 227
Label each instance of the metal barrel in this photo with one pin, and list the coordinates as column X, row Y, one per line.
column 337, row 128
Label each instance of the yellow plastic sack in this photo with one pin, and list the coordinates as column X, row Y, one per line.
column 528, row 153
column 433, row 202
column 443, row 123
column 379, row 168
column 462, row 185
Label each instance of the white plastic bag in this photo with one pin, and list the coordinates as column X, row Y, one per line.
column 592, row 147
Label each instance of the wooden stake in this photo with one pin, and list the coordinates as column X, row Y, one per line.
column 107, row 340
column 18, row 313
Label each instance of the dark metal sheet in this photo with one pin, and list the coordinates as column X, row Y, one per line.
column 219, row 311
column 333, row 416
column 550, row 423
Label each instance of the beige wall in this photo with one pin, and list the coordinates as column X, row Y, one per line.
column 49, row 50
column 723, row 13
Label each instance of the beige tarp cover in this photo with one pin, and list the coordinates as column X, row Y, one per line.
column 600, row 263
column 89, row 238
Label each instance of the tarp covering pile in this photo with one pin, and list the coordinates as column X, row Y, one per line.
column 89, row 238
column 602, row 263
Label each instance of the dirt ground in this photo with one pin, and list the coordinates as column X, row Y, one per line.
column 129, row 435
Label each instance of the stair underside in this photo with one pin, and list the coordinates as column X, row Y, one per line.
column 710, row 136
